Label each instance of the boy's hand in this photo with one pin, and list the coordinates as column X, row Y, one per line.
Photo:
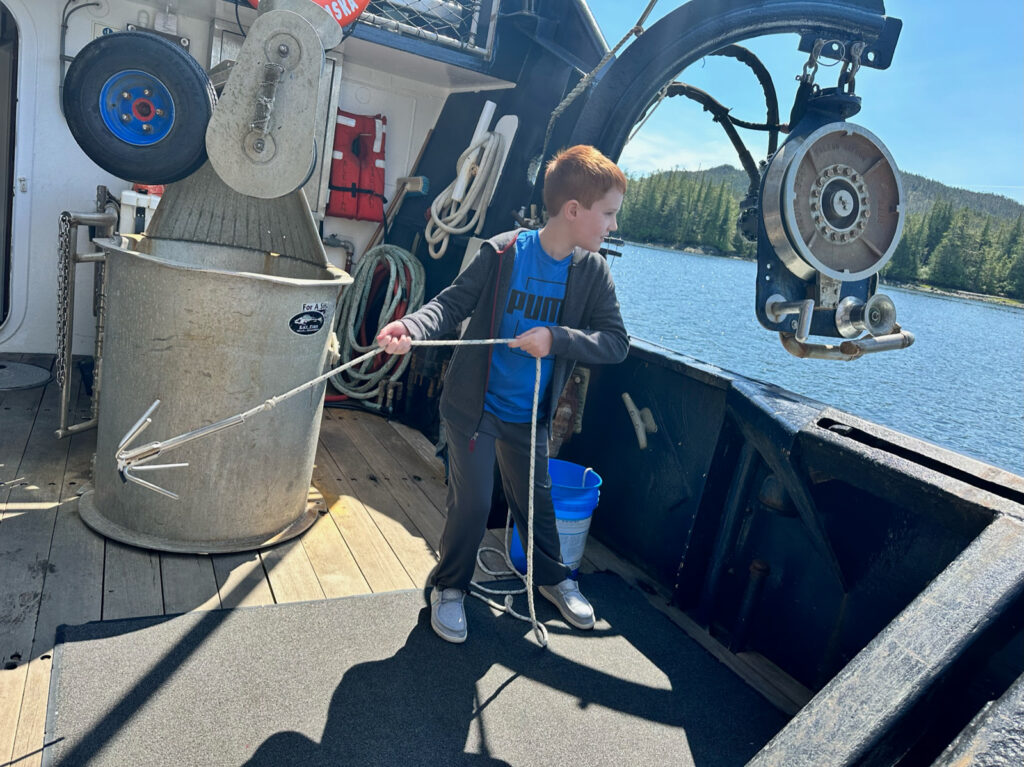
column 394, row 338
column 535, row 342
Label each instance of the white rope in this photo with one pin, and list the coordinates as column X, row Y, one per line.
column 133, row 459
column 449, row 216
column 584, row 83
column 539, row 629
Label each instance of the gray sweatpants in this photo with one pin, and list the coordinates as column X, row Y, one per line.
column 470, row 483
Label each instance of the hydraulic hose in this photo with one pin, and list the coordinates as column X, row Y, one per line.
column 394, row 278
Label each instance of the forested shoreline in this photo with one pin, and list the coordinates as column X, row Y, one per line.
column 957, row 241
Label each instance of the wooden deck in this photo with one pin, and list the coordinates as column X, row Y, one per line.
column 382, row 495
column 381, row 492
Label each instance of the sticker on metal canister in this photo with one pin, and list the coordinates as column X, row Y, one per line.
column 306, row 322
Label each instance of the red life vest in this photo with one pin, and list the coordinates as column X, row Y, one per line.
column 357, row 170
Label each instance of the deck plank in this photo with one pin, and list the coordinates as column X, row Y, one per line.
column 376, row 559
column 361, row 438
column 335, row 567
column 291, row 575
column 422, row 446
column 12, row 690
column 19, row 415
column 28, row 508
column 131, row 583
column 188, row 583
column 422, row 502
column 407, row 519
column 29, row 511
column 241, row 580
column 72, row 595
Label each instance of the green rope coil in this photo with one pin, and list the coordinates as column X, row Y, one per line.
column 363, row 382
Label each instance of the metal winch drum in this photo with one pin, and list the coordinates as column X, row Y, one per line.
column 211, row 330
column 833, row 203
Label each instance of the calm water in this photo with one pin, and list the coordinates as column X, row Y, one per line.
column 961, row 385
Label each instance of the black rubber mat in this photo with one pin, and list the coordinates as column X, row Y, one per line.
column 364, row 681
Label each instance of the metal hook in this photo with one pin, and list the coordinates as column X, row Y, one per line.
column 129, row 461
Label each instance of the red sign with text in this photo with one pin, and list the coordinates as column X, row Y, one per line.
column 343, row 11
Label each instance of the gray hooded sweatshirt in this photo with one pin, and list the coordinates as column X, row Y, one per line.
column 590, row 328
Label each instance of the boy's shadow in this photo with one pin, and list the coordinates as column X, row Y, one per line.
column 415, row 707
column 427, row 703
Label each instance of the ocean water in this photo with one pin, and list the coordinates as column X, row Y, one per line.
column 961, row 385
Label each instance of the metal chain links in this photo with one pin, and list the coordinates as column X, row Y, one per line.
column 65, row 254
column 850, row 67
column 811, row 65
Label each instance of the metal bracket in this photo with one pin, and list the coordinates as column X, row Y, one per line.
column 877, row 54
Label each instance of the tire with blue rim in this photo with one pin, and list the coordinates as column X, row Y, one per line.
column 138, row 106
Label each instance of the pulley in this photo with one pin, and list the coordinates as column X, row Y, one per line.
column 832, row 213
column 833, row 203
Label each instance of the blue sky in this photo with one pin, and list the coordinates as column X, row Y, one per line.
column 951, row 106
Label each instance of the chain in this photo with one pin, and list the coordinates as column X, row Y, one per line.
column 811, row 65
column 100, row 278
column 851, row 66
column 65, row 254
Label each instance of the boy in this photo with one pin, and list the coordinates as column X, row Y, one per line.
column 552, row 293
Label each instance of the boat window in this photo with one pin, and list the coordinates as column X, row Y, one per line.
column 8, row 102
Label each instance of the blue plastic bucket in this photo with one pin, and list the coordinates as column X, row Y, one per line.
column 574, row 492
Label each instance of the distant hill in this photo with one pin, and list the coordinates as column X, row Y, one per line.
column 921, row 193
column 952, row 238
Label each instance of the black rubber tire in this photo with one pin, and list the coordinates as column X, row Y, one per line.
column 183, row 150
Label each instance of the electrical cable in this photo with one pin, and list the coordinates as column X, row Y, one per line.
column 721, row 112
column 65, row 17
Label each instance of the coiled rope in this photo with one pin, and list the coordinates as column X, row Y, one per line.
column 449, row 216
column 393, row 272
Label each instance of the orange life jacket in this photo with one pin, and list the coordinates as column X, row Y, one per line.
column 357, row 169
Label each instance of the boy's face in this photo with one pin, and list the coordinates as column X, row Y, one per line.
column 591, row 225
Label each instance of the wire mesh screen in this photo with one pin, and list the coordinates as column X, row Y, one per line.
column 464, row 24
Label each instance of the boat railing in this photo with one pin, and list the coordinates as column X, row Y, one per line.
column 467, row 25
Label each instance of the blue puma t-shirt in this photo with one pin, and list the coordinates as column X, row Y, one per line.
column 534, row 300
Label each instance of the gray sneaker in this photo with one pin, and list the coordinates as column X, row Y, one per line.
column 447, row 614
column 573, row 606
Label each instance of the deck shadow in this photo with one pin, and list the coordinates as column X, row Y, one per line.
column 364, row 680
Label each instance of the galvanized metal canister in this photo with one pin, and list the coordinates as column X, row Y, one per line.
column 210, row 342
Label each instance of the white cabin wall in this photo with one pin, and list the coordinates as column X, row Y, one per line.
column 412, row 109
column 51, row 174
column 58, row 176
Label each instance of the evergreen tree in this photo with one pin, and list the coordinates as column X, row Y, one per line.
column 947, row 267
column 904, row 264
column 1013, row 253
column 1015, row 238
column 939, row 219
